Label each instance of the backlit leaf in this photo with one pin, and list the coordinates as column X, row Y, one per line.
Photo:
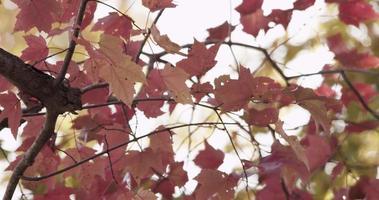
column 175, row 78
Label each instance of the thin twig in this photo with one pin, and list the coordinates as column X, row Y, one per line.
column 72, row 45
column 236, row 152
column 147, row 36
column 337, row 71
column 49, row 56
column 359, row 96
column 109, row 159
column 67, row 154
column 94, row 86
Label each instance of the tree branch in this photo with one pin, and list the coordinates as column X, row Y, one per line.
column 147, row 36
column 337, row 71
column 72, row 45
column 38, row 84
column 31, row 153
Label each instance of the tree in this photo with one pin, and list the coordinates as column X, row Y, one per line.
column 110, row 74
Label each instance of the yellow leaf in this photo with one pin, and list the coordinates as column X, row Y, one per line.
column 119, row 70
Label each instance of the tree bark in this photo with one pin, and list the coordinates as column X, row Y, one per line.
column 56, row 98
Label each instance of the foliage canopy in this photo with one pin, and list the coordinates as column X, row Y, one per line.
column 75, row 109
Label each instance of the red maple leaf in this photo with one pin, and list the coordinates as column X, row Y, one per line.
column 176, row 177
column 367, row 91
column 113, row 136
column 254, row 22
column 11, row 110
column 58, row 193
column 229, row 93
column 95, row 96
column 36, row 50
column 143, row 164
column 209, row 158
column 316, row 105
column 303, row 4
column 317, row 149
column 366, row 188
column 356, row 11
column 200, row 59
column 283, row 162
column 351, row 57
column 215, row 183
column 155, row 5
column 273, row 189
column 161, row 144
column 115, row 25
column 199, row 90
column 220, row 32
column 36, row 13
column 262, row 117
column 249, row 6
column 282, row 17
column 69, row 10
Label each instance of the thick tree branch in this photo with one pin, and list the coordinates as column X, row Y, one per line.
column 30, row 155
column 72, row 45
column 38, row 84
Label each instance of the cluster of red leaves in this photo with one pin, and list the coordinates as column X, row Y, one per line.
column 140, row 174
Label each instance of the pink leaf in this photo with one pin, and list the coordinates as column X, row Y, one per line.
column 11, row 110
column 155, row 5
column 215, row 183
column 36, row 50
column 115, row 25
column 220, row 32
column 249, row 6
column 36, row 13
column 303, row 4
column 254, row 22
column 356, row 11
column 262, row 117
column 200, row 59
